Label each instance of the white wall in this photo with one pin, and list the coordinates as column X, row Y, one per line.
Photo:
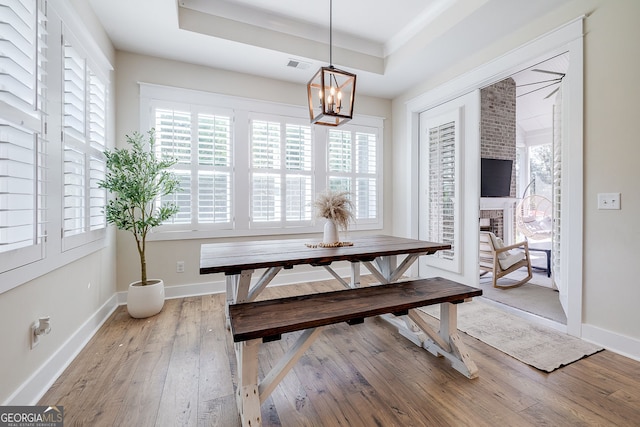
column 611, row 149
column 163, row 255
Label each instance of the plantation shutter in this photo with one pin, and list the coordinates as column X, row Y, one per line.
column 173, row 140
column 201, row 142
column 557, row 188
column 84, row 124
column 21, row 182
column 74, row 158
column 266, row 184
column 97, row 161
column 281, row 173
column 366, row 182
column 298, row 197
column 19, row 61
column 340, row 160
column 442, row 187
column 214, row 171
column 22, row 145
column 352, row 167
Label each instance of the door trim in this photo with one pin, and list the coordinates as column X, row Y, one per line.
column 567, row 38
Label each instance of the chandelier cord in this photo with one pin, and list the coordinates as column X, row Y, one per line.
column 331, row 33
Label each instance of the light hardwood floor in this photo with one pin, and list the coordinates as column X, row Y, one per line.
column 178, row 369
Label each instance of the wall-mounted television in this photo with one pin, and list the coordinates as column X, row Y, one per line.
column 495, row 177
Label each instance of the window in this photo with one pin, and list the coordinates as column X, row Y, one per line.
column 245, row 171
column 281, row 173
column 352, row 165
column 22, row 142
column 200, row 141
column 84, row 124
column 53, row 121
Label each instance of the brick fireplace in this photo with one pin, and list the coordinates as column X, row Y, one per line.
column 498, row 141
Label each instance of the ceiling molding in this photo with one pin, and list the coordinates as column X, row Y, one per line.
column 299, row 47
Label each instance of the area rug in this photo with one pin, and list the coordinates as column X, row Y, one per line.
column 543, row 348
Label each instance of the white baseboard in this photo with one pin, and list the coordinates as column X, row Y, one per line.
column 621, row 344
column 30, row 392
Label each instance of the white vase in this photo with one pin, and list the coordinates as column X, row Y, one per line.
column 145, row 301
column 330, row 235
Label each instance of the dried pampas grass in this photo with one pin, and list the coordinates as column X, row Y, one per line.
column 336, row 206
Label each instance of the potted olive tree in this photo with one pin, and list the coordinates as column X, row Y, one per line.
column 136, row 179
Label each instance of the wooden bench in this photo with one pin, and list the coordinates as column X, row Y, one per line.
column 270, row 319
column 263, row 321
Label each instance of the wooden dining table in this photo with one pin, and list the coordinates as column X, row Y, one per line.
column 378, row 253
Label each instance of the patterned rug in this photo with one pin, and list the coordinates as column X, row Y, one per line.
column 541, row 347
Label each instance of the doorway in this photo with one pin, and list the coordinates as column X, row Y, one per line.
column 569, row 39
column 521, row 124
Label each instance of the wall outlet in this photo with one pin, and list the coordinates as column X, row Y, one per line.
column 180, row 267
column 40, row 327
column 608, row 200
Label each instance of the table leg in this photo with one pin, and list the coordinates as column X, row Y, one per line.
column 355, row 275
column 231, row 292
column 243, row 283
column 548, row 263
column 237, row 290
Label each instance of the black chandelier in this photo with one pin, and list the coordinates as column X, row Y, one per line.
column 331, row 91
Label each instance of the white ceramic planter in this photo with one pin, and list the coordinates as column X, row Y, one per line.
column 145, row 301
column 330, row 235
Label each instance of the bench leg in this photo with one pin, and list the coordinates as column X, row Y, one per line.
column 449, row 332
column 446, row 342
column 248, row 397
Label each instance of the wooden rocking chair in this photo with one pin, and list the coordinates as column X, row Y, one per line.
column 501, row 260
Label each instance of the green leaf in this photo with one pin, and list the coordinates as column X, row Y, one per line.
column 135, row 177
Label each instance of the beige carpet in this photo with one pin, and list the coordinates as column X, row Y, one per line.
column 543, row 348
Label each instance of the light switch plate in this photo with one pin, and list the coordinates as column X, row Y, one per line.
column 608, row 200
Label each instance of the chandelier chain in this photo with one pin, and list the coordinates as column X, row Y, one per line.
column 331, row 33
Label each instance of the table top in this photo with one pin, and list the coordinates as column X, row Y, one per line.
column 233, row 258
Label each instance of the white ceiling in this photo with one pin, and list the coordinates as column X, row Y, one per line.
column 390, row 45
column 536, row 92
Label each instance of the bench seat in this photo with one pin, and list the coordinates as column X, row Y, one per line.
column 269, row 319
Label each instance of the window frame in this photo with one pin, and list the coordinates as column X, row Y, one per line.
column 244, row 110
column 48, row 123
